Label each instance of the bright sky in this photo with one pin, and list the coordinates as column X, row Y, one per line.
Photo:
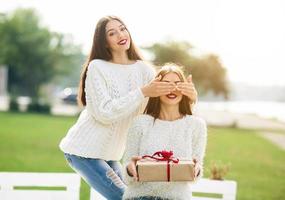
column 248, row 35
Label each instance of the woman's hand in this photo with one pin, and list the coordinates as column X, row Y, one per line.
column 131, row 167
column 188, row 89
column 197, row 168
column 158, row 88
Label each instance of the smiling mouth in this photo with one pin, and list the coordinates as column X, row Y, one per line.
column 123, row 42
column 171, row 96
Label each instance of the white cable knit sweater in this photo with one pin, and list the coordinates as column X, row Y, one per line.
column 186, row 137
column 114, row 98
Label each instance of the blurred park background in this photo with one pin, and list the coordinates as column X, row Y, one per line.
column 233, row 49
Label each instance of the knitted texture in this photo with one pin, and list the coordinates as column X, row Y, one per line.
column 113, row 99
column 186, row 137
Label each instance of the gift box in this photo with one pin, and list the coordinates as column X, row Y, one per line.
column 153, row 169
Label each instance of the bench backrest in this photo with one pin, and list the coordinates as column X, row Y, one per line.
column 58, row 186
column 225, row 188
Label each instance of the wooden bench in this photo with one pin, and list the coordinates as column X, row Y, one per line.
column 225, row 190
column 29, row 186
column 69, row 185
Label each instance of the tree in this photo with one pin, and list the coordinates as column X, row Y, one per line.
column 34, row 55
column 207, row 71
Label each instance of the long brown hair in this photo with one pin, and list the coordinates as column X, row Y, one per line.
column 153, row 106
column 99, row 51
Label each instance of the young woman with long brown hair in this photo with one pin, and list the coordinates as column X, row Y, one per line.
column 167, row 124
column 114, row 84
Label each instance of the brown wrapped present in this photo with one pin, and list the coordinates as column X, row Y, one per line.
column 153, row 169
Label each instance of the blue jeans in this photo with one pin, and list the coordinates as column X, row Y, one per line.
column 104, row 176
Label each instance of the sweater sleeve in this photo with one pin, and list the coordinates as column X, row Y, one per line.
column 150, row 73
column 199, row 141
column 101, row 105
column 132, row 148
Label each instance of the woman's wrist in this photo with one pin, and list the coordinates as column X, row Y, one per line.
column 144, row 91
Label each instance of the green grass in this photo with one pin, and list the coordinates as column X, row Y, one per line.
column 255, row 163
column 29, row 142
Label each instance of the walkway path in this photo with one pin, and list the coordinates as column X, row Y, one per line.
column 276, row 138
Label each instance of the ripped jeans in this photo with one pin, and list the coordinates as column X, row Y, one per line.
column 104, row 176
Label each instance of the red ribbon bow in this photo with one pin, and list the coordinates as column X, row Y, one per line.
column 164, row 156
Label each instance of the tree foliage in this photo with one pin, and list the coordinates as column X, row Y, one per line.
column 34, row 55
column 207, row 71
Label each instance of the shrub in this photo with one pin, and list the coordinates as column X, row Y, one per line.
column 13, row 105
column 39, row 108
column 218, row 170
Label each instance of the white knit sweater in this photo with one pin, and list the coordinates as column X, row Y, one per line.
column 114, row 98
column 186, row 137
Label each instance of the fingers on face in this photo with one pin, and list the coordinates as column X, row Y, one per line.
column 166, row 89
column 185, row 84
column 165, row 84
column 187, row 88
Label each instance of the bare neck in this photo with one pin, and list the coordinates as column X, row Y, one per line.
column 169, row 113
column 121, row 58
